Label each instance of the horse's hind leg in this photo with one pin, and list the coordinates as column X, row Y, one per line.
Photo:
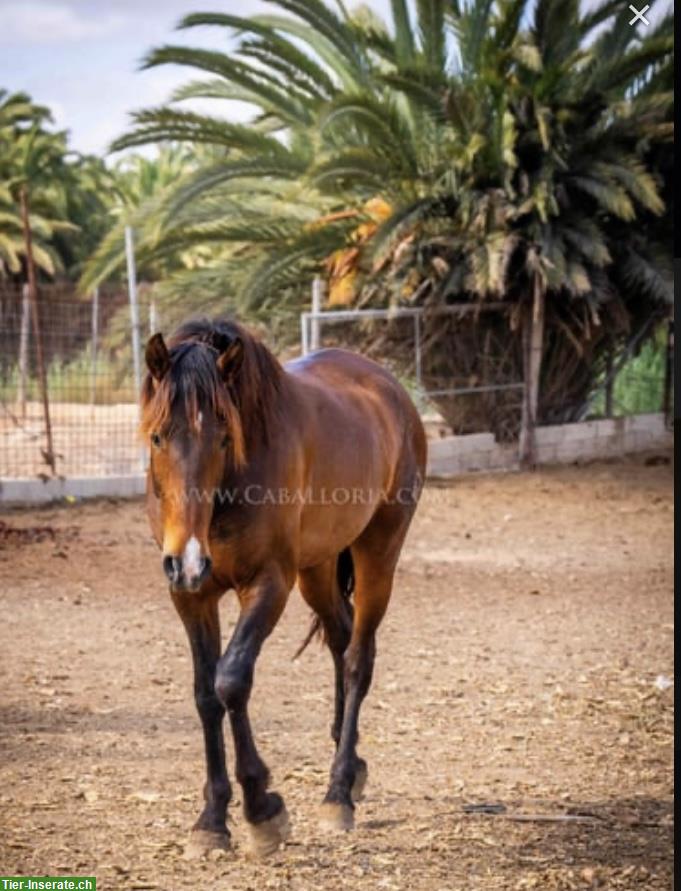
column 375, row 556
column 201, row 620
column 320, row 588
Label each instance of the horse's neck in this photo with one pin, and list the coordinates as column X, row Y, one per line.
column 265, row 446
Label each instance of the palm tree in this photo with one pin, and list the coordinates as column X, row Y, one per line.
column 85, row 198
column 68, row 191
column 250, row 202
column 139, row 188
column 520, row 149
column 19, row 117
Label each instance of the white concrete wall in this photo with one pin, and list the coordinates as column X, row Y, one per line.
column 30, row 491
column 454, row 455
column 559, row 444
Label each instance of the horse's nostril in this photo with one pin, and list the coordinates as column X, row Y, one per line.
column 172, row 566
column 182, row 574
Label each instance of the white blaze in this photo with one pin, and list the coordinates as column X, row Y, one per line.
column 191, row 558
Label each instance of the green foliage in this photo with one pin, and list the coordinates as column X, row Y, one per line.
column 140, row 187
column 528, row 134
column 65, row 191
column 639, row 387
column 518, row 145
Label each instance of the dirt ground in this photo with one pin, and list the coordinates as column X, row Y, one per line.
column 523, row 662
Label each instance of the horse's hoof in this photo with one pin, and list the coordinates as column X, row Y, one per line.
column 203, row 841
column 361, row 776
column 268, row 835
column 336, row 817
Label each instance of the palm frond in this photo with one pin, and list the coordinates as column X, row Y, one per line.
column 272, row 93
column 404, row 38
column 165, row 124
column 210, row 178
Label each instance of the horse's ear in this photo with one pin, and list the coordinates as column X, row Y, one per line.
column 157, row 356
column 231, row 358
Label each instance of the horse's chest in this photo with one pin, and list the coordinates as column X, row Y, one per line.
column 245, row 544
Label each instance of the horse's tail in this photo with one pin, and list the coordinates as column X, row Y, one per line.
column 345, row 576
column 345, row 573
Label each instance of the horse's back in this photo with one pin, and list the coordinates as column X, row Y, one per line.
column 335, row 362
column 340, row 370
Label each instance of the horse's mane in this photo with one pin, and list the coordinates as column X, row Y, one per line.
column 250, row 401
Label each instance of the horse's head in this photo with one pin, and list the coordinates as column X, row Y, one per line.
column 194, row 432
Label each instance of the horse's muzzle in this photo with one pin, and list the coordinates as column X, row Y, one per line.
column 178, row 578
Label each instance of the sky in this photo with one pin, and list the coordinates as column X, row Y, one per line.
column 82, row 57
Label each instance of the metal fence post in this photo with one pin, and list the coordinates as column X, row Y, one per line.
column 304, row 338
column 317, row 299
column 134, row 309
column 135, row 325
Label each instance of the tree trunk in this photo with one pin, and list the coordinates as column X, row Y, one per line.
column 534, row 344
column 609, row 383
column 48, row 452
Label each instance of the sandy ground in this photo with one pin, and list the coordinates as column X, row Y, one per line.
column 517, row 665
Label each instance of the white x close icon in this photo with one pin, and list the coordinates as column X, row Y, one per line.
column 639, row 15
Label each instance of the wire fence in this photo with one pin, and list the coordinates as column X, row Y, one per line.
column 480, row 392
column 92, row 409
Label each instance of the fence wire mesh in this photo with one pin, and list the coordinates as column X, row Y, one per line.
column 470, row 377
column 92, row 398
column 472, row 373
column 474, row 386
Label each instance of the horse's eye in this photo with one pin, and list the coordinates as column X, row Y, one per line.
column 155, row 440
column 224, row 442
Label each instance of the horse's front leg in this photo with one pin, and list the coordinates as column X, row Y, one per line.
column 261, row 605
column 201, row 620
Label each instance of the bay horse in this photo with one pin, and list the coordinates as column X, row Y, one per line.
column 260, row 475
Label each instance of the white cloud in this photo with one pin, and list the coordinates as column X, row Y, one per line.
column 36, row 22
